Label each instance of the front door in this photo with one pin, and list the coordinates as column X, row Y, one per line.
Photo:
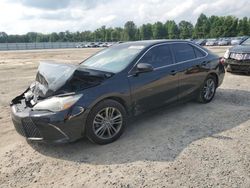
column 156, row 88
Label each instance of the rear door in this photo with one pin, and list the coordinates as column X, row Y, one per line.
column 153, row 89
column 192, row 67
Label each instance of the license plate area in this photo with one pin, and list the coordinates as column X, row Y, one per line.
column 240, row 56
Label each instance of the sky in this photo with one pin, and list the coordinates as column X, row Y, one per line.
column 46, row 16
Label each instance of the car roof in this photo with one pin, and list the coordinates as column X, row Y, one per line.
column 148, row 43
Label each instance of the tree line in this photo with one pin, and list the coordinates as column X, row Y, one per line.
column 205, row 27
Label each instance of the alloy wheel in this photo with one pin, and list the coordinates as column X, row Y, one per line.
column 209, row 89
column 107, row 122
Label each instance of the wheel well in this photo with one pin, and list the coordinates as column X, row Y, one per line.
column 117, row 99
column 216, row 78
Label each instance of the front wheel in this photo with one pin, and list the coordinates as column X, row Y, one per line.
column 207, row 90
column 106, row 122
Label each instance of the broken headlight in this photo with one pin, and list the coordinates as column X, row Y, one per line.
column 57, row 103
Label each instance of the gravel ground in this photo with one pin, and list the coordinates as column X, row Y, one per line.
column 188, row 145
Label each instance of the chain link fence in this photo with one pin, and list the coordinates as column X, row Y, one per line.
column 40, row 45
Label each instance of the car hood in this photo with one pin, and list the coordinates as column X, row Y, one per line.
column 58, row 78
column 52, row 76
column 240, row 49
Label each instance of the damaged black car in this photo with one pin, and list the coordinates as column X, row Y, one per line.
column 95, row 98
column 237, row 58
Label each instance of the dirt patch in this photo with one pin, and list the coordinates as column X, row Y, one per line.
column 188, row 145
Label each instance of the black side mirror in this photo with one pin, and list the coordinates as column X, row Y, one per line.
column 144, row 67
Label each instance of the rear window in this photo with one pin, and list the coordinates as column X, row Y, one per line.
column 183, row 52
column 198, row 52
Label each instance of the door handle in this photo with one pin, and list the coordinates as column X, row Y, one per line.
column 173, row 72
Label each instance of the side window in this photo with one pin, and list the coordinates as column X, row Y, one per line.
column 198, row 52
column 158, row 56
column 183, row 52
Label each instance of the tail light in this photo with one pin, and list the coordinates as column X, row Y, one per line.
column 222, row 60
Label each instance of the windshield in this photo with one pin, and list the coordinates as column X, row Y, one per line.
column 113, row 59
column 246, row 42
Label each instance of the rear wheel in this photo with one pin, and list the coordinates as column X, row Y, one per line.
column 207, row 90
column 106, row 122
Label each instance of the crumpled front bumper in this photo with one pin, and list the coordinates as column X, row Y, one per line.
column 233, row 65
column 46, row 126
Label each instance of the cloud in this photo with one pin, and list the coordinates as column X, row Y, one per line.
column 46, row 4
column 200, row 9
column 107, row 19
column 180, row 9
column 60, row 4
column 21, row 16
column 61, row 15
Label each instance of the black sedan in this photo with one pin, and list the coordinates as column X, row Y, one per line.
column 237, row 58
column 96, row 97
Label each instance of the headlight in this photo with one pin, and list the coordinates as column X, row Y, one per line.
column 227, row 53
column 56, row 104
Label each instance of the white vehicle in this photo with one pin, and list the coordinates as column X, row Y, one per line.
column 80, row 45
column 223, row 42
column 236, row 41
column 211, row 42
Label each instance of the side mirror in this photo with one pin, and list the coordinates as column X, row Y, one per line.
column 144, row 67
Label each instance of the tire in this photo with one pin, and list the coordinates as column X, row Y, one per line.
column 228, row 68
column 106, row 122
column 205, row 94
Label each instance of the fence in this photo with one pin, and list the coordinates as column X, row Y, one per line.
column 40, row 45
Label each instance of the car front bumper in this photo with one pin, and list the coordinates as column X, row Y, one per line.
column 237, row 65
column 50, row 127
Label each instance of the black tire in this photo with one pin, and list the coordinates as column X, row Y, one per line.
column 91, row 128
column 228, row 68
column 202, row 97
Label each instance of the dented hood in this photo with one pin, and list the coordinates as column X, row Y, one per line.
column 53, row 78
column 54, row 75
column 240, row 49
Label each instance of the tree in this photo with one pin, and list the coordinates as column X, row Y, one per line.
column 146, row 31
column 230, row 26
column 3, row 37
column 248, row 26
column 108, row 35
column 243, row 27
column 31, row 36
column 114, row 35
column 137, row 35
column 129, row 31
column 87, row 36
column 202, row 27
column 172, row 29
column 54, row 37
column 98, row 35
column 159, row 31
column 213, row 26
column 117, row 34
column 216, row 26
column 186, row 29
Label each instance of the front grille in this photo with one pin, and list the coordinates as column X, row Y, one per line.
column 30, row 129
column 19, row 128
column 240, row 67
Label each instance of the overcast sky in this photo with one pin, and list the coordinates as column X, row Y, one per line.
column 45, row 16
